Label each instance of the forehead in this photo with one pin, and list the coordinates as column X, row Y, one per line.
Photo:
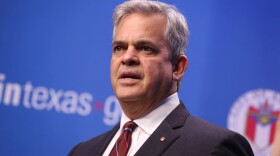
column 141, row 14
column 141, row 23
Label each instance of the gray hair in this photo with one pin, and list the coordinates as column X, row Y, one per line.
column 176, row 33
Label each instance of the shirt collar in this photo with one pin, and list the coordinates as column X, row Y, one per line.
column 152, row 120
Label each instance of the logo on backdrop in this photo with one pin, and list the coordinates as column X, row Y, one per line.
column 254, row 115
column 40, row 98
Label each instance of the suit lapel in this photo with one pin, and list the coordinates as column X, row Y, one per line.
column 165, row 135
column 107, row 139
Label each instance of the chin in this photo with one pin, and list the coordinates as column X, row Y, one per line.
column 127, row 97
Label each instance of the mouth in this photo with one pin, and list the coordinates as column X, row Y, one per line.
column 129, row 75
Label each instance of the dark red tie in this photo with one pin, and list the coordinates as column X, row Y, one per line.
column 123, row 143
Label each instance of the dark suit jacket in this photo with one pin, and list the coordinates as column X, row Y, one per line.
column 185, row 135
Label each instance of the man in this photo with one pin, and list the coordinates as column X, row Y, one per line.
column 276, row 142
column 147, row 65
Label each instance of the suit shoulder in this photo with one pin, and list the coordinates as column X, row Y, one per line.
column 216, row 138
column 92, row 146
column 196, row 122
column 207, row 129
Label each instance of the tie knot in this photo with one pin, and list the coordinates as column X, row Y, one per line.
column 129, row 126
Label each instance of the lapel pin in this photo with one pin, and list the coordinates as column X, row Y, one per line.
column 162, row 139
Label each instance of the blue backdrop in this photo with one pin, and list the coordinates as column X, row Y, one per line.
column 55, row 86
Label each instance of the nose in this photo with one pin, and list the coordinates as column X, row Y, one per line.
column 130, row 57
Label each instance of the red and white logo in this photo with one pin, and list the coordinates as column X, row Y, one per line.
column 254, row 115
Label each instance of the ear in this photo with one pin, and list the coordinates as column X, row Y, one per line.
column 180, row 66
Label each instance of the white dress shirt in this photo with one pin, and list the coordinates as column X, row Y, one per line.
column 146, row 125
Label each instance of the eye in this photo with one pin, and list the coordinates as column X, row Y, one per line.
column 118, row 48
column 147, row 49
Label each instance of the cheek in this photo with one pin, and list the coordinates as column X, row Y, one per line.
column 113, row 70
column 158, row 70
column 114, row 66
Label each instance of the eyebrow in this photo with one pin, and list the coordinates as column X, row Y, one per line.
column 137, row 43
column 148, row 43
column 145, row 42
column 118, row 42
column 140, row 42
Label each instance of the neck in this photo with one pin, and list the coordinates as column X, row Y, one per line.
column 137, row 109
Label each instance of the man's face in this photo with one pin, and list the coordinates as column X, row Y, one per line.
column 141, row 69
